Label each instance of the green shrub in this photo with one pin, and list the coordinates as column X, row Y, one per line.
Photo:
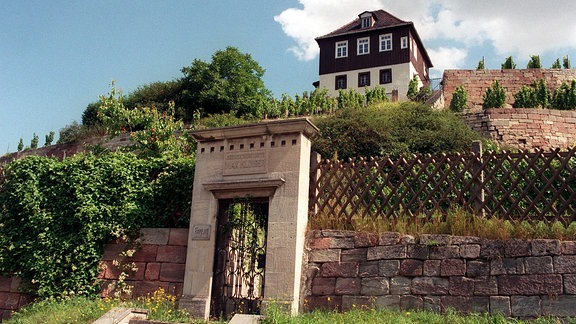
column 350, row 99
column 494, row 97
column 564, row 98
column 391, row 129
column 376, row 95
column 525, row 98
column 412, row 88
column 459, row 99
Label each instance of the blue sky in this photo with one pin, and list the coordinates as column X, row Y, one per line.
column 58, row 56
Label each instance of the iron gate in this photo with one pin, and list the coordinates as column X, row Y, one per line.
column 238, row 284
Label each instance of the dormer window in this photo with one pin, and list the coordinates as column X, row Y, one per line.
column 366, row 19
column 366, row 22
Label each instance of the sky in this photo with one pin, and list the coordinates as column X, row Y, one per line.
column 58, row 56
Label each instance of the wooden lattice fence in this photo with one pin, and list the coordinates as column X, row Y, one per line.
column 524, row 186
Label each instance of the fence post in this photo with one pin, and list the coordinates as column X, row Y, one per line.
column 478, row 182
column 315, row 160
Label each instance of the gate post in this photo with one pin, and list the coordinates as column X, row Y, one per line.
column 266, row 160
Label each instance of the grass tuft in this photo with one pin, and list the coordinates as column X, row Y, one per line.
column 455, row 222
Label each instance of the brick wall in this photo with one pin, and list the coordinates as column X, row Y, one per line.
column 517, row 278
column 525, row 128
column 477, row 81
column 10, row 298
column 160, row 264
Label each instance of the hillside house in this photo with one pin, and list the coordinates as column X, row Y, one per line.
column 375, row 49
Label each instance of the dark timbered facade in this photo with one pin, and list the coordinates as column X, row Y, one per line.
column 376, row 49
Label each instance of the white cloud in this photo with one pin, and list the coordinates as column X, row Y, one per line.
column 513, row 27
column 447, row 58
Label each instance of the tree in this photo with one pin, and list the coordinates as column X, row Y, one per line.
column 20, row 145
column 556, row 64
column 412, row 88
column 34, row 141
column 525, row 98
column 534, row 62
column 49, row 139
column 459, row 99
column 543, row 94
column 231, row 82
column 153, row 133
column 564, row 98
column 494, row 97
column 481, row 64
column 566, row 62
column 508, row 64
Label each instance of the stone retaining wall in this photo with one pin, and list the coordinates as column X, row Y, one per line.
column 10, row 297
column 525, row 128
column 159, row 263
column 477, row 81
column 517, row 278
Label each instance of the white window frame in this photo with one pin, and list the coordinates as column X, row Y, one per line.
column 404, row 42
column 366, row 22
column 385, row 42
column 341, row 49
column 363, row 46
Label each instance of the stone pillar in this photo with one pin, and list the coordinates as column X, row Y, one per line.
column 270, row 159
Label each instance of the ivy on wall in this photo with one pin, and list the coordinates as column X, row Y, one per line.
column 56, row 216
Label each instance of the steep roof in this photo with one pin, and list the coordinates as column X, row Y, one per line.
column 382, row 20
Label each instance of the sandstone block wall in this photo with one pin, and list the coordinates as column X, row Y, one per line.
column 525, row 128
column 10, row 297
column 517, row 278
column 159, row 262
column 477, row 81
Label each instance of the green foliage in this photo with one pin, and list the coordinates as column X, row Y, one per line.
column 423, row 94
column 508, row 64
column 525, row 98
column 566, row 62
column 20, row 144
column 367, row 311
column 556, row 64
column 376, row 95
column 90, row 115
column 49, row 139
column 153, row 133
column 495, row 96
column 350, row 99
column 534, row 62
column 480, row 64
column 34, row 141
column 564, row 98
column 391, row 129
column 412, row 88
column 160, row 305
column 162, row 96
column 531, row 97
column 74, row 132
column 231, row 82
column 459, row 99
column 56, row 215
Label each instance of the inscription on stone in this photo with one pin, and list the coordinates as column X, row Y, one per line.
column 248, row 162
column 201, row 232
